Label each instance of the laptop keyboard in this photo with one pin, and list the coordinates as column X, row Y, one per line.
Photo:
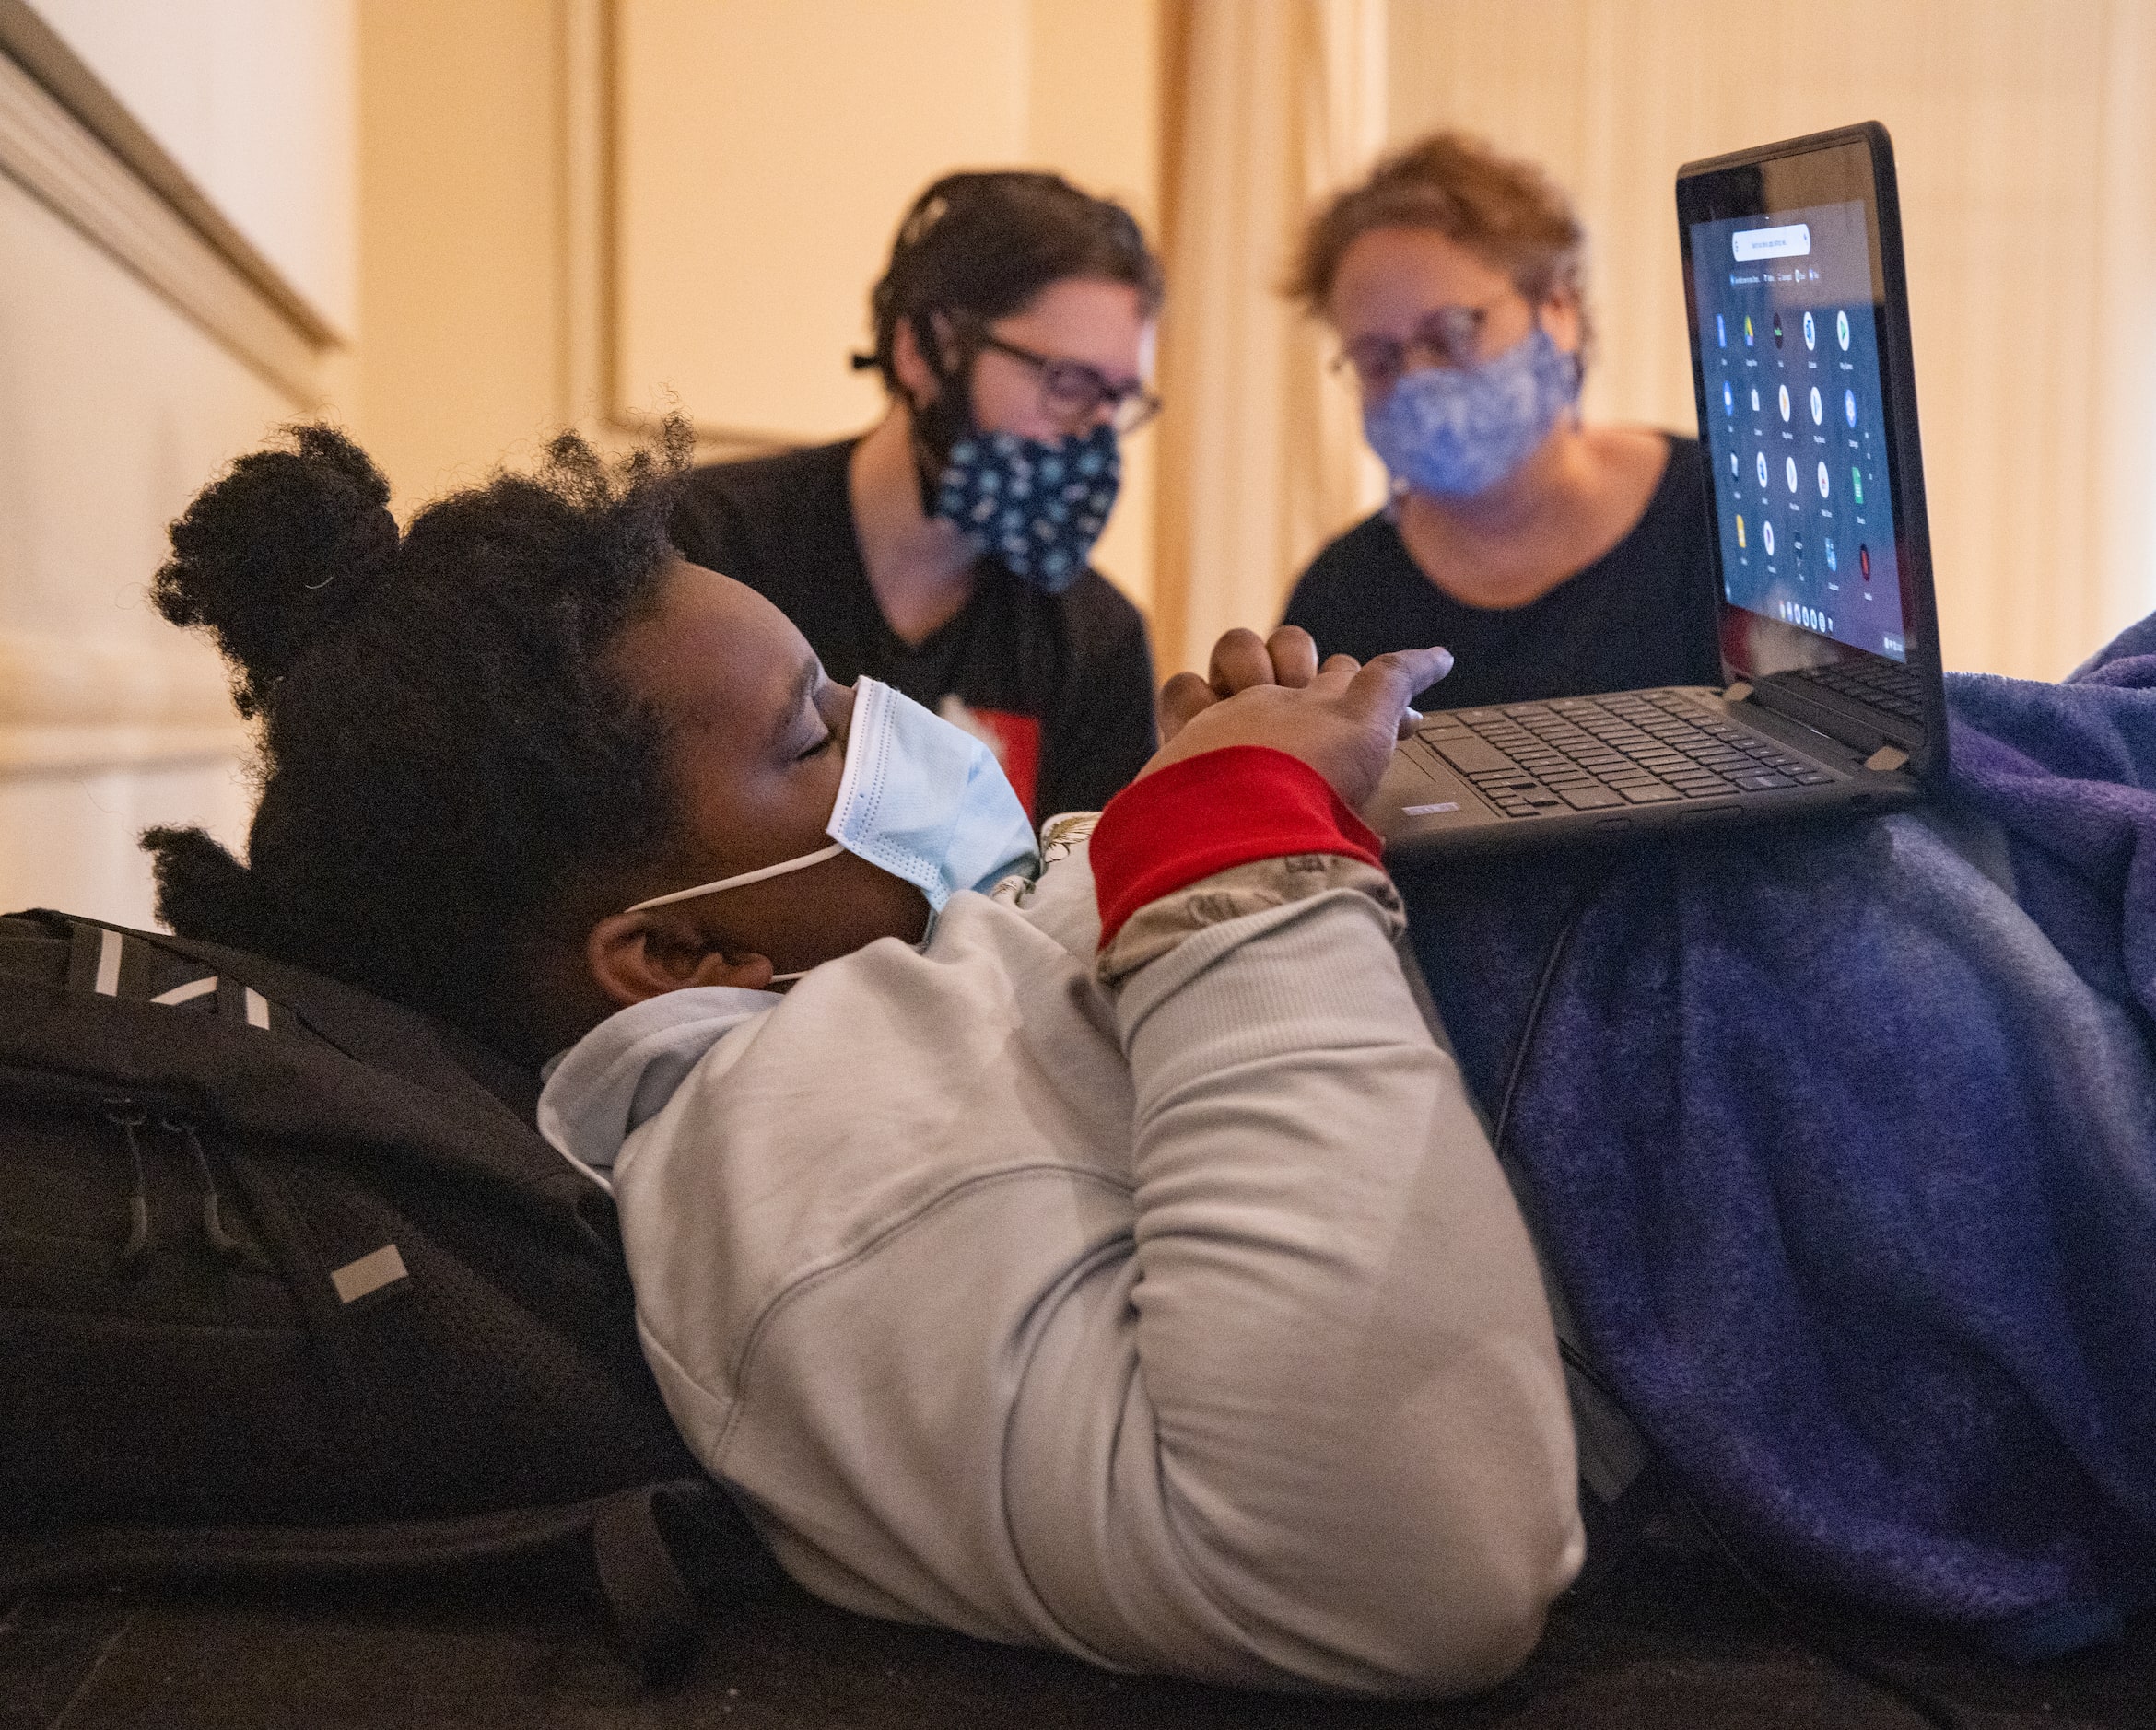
column 1588, row 754
column 1879, row 682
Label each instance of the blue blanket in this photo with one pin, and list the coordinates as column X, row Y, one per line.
column 1846, row 1157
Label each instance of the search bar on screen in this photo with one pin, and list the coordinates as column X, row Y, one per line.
column 1793, row 242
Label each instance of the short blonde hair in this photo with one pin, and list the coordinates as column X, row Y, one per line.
column 1506, row 212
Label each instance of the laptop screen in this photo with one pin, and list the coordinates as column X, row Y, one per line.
column 1797, row 304
column 1796, row 423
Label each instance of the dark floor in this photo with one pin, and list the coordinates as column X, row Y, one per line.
column 1683, row 1644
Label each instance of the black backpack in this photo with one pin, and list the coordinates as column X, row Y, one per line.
column 290, row 1288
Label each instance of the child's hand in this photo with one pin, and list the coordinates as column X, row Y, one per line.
column 1342, row 719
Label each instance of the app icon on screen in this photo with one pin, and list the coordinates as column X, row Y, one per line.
column 1823, row 480
column 1864, row 561
column 1833, row 564
column 1849, row 408
column 1856, row 484
column 1777, row 330
column 1766, row 537
column 1762, row 475
column 1842, row 331
column 1817, row 402
column 1729, row 398
column 1740, row 530
column 1810, row 333
column 1789, row 473
column 1755, row 399
column 1748, row 330
column 1732, row 465
column 1721, row 333
column 1784, row 402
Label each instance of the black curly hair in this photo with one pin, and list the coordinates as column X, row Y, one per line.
column 444, row 757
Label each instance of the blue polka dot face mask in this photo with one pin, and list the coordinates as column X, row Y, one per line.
column 1033, row 505
column 1457, row 431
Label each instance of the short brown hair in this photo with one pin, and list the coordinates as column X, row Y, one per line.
column 981, row 245
column 1507, row 213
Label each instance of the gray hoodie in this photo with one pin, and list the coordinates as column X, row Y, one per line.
column 1169, row 1310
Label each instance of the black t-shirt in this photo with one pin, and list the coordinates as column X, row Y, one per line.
column 1641, row 616
column 1060, row 685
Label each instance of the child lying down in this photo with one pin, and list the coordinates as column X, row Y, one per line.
column 1098, row 1254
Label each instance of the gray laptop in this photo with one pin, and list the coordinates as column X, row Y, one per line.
column 1833, row 699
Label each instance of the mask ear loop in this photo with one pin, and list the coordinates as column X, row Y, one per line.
column 1578, row 358
column 743, row 879
column 941, row 425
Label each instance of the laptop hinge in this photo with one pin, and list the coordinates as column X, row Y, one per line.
column 1847, row 723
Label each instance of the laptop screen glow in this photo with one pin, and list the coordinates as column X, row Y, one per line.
column 1796, row 423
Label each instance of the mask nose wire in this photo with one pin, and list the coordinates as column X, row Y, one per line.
column 742, row 878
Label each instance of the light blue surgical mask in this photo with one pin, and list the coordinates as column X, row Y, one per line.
column 1457, row 431
column 921, row 798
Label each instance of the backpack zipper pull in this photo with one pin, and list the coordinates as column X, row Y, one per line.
column 213, row 1223
column 138, row 1232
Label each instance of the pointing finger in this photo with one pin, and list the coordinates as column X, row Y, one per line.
column 1385, row 687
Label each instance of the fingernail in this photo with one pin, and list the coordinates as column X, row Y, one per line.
column 1444, row 661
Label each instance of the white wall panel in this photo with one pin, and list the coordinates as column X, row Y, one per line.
column 68, row 840
column 114, row 409
column 256, row 101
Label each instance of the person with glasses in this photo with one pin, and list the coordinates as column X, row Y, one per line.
column 1553, row 558
column 945, row 552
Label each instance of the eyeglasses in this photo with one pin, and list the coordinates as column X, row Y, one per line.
column 1073, row 394
column 1449, row 337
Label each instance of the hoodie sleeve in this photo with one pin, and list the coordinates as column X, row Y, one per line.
column 1339, row 1450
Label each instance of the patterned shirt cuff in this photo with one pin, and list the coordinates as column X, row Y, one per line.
column 1257, row 887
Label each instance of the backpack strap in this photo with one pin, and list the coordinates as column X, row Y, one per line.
column 653, row 1607
column 646, row 1545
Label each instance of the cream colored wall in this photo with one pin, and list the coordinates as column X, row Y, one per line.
column 127, row 380
column 254, row 99
column 2028, row 174
column 461, row 265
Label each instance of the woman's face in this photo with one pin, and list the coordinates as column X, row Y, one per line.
column 755, row 734
column 1097, row 324
column 1406, row 299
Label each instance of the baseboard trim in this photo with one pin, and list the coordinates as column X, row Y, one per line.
column 71, row 703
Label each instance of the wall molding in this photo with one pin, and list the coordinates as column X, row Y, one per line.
column 69, row 704
column 130, row 200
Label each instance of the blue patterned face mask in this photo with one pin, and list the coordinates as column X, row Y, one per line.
column 1457, row 431
column 1037, row 507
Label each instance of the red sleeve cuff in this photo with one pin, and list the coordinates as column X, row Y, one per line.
column 1211, row 813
